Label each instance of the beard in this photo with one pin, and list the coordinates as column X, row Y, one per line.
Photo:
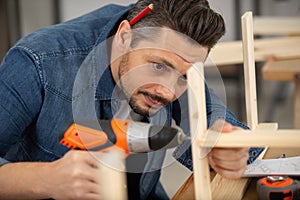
column 138, row 109
column 150, row 111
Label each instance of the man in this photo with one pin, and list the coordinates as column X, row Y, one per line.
column 73, row 71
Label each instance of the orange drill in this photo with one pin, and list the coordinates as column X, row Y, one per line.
column 127, row 135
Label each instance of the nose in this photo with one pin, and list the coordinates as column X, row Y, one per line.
column 164, row 92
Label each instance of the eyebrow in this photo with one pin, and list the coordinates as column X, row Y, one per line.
column 163, row 60
column 166, row 62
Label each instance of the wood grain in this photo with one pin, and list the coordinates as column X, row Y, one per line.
column 198, row 124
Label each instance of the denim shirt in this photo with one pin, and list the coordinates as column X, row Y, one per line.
column 37, row 95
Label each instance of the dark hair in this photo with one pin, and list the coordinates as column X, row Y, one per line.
column 193, row 18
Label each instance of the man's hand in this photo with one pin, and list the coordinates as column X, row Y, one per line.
column 74, row 176
column 70, row 177
column 228, row 162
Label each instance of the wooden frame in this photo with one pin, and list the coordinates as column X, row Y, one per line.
column 261, row 135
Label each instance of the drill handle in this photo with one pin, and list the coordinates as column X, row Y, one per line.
column 85, row 138
column 96, row 135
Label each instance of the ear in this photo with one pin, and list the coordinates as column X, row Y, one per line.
column 123, row 36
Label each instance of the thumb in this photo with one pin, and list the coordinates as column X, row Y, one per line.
column 226, row 128
column 222, row 126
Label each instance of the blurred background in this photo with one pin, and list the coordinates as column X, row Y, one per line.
column 19, row 18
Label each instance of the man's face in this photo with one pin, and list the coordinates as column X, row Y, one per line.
column 152, row 77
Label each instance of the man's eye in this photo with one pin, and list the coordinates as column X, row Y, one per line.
column 159, row 67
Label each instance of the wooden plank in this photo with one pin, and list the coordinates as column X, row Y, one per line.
column 249, row 70
column 228, row 189
column 279, row 48
column 272, row 25
column 276, row 152
column 111, row 175
column 198, row 126
column 267, row 126
column 187, row 191
column 282, row 70
column 288, row 138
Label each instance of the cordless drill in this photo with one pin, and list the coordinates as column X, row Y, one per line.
column 130, row 136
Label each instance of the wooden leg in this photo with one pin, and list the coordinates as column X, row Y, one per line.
column 198, row 124
column 297, row 104
column 249, row 70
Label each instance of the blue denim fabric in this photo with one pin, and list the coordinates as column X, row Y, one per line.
column 36, row 94
column 37, row 77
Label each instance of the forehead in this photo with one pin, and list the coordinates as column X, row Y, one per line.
column 172, row 41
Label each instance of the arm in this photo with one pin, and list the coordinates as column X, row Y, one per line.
column 71, row 177
column 21, row 94
column 21, row 97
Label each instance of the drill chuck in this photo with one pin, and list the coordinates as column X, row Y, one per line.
column 143, row 137
column 164, row 137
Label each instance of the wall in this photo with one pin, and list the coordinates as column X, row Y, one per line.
column 75, row 8
column 35, row 14
column 280, row 7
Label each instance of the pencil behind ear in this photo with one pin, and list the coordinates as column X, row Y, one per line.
column 123, row 36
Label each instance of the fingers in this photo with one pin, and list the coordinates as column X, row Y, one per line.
column 85, row 190
column 87, row 157
column 232, row 163
column 80, row 165
column 74, row 176
column 229, row 154
column 229, row 163
column 83, row 171
column 223, row 126
column 227, row 173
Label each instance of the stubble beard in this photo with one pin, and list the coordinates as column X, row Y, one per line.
column 129, row 97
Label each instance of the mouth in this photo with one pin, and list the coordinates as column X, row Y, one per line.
column 154, row 101
column 151, row 102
